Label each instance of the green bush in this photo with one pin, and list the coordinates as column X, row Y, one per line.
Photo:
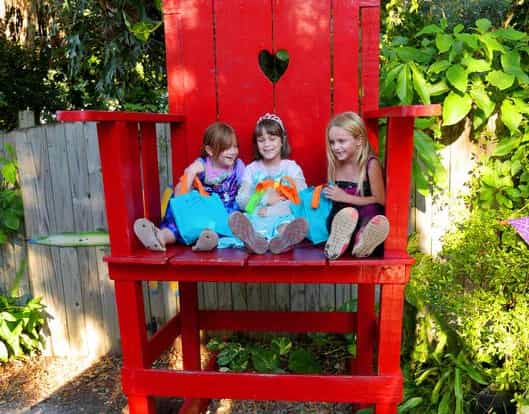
column 21, row 322
column 470, row 310
column 11, row 209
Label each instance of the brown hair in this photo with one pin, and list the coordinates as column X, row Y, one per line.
column 219, row 136
column 271, row 127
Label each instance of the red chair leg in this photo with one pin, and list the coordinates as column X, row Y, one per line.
column 140, row 404
column 189, row 325
column 365, row 330
column 386, row 409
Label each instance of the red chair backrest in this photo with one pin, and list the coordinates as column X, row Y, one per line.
column 213, row 71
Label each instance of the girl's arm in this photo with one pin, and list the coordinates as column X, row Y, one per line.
column 281, row 207
column 245, row 190
column 193, row 169
column 376, row 182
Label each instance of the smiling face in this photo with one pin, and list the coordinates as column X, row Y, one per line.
column 269, row 147
column 344, row 146
column 226, row 159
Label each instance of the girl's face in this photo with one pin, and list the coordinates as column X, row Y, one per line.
column 269, row 146
column 227, row 158
column 343, row 145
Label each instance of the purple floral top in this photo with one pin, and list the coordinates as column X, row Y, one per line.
column 222, row 182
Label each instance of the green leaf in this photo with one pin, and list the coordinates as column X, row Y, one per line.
column 431, row 28
column 411, row 54
column 410, row 403
column 404, row 86
column 439, row 66
column 7, row 316
column 510, row 62
column 444, row 405
column 506, row 146
column 158, row 5
column 443, row 42
column 475, row 65
column 283, row 55
column 471, row 40
column 482, row 100
column 265, row 360
column 283, row 345
column 143, row 29
column 9, row 171
column 4, row 354
column 438, row 88
column 458, row 77
column 10, row 220
column 510, row 116
column 483, row 25
column 302, row 361
column 388, row 85
column 491, row 43
column 511, row 34
column 455, row 108
column 420, row 85
column 424, row 375
column 500, row 80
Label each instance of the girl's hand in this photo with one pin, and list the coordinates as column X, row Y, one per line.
column 274, row 197
column 335, row 193
column 263, row 212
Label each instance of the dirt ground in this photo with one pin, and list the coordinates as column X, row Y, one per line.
column 46, row 385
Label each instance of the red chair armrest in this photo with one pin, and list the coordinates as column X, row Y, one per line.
column 404, row 111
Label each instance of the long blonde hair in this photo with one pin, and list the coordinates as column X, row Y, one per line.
column 354, row 125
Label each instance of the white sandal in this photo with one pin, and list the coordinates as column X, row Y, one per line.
column 147, row 233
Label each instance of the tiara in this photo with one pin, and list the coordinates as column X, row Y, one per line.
column 272, row 117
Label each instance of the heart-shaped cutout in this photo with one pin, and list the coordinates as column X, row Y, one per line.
column 273, row 66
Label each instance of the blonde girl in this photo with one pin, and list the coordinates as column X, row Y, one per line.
column 356, row 189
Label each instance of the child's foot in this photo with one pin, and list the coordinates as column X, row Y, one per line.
column 243, row 229
column 374, row 233
column 207, row 241
column 147, row 233
column 293, row 233
column 342, row 228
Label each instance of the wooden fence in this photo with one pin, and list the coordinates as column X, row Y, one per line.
column 62, row 191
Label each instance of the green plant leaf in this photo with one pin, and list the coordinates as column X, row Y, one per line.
column 409, row 404
column 455, row 108
column 506, row 146
column 444, row 405
column 439, row 66
column 283, row 345
column 482, row 99
column 431, row 28
column 438, row 88
column 483, row 25
column 511, row 34
column 9, row 172
column 404, row 86
column 500, row 79
column 510, row 62
column 4, row 354
column 458, row 77
column 420, row 84
column 388, row 85
column 471, row 40
column 443, row 42
column 412, row 54
column 475, row 65
column 510, row 116
column 302, row 361
column 265, row 360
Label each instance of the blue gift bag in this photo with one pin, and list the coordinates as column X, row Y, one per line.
column 196, row 211
column 314, row 212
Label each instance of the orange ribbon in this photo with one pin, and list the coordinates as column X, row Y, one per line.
column 316, row 197
column 289, row 191
column 196, row 183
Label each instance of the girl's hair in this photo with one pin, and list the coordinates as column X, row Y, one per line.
column 354, row 125
column 272, row 125
column 219, row 136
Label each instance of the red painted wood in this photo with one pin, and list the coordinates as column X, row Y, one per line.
column 191, row 75
column 299, row 256
column 242, row 30
column 140, row 404
column 257, row 321
column 140, row 256
column 399, row 150
column 114, row 116
column 390, row 325
column 365, row 337
column 370, row 27
column 195, row 405
column 184, row 256
column 404, row 111
column 243, row 386
column 345, row 50
column 149, row 172
column 163, row 338
column 120, row 164
column 302, row 95
column 189, row 325
column 363, row 274
column 386, row 409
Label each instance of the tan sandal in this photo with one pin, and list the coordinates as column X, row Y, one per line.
column 243, row 229
column 372, row 235
column 342, row 228
column 147, row 233
column 294, row 233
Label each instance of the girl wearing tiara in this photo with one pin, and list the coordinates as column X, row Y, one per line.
column 269, row 185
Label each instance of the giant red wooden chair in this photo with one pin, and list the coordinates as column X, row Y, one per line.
column 213, row 73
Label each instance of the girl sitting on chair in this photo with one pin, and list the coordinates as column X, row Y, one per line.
column 220, row 171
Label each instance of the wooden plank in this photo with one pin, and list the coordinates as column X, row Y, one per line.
column 327, row 297
column 35, row 181
column 282, row 296
column 312, row 297
column 345, row 51
column 94, row 336
column 97, row 208
column 59, row 198
column 342, row 295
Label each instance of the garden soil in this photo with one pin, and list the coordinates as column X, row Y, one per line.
column 48, row 385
